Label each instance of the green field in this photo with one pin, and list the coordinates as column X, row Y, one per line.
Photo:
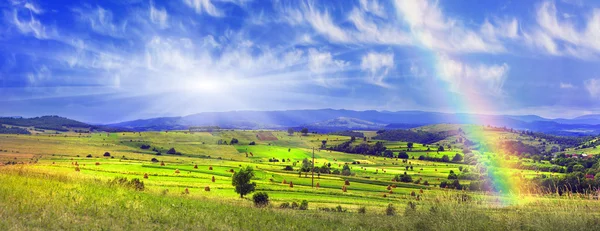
column 46, row 171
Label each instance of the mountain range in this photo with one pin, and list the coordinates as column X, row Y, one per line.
column 335, row 120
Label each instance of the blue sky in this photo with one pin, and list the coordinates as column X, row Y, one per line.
column 109, row 61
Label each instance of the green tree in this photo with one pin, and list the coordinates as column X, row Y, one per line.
column 324, row 143
column 441, row 148
column 457, row 158
column 241, row 181
column 409, row 145
column 306, row 165
column 304, row 131
column 403, row 155
column 290, row 131
column 445, row 158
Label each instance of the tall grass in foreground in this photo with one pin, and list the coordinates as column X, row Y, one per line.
column 31, row 200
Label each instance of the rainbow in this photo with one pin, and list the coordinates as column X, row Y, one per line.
column 507, row 187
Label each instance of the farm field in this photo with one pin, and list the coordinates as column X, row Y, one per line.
column 199, row 171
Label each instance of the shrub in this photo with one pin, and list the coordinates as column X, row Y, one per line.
column 252, row 143
column 107, row 154
column 134, row 183
column 145, row 146
column 303, row 205
column 89, row 156
column 173, row 152
column 362, row 209
column 260, row 199
column 294, row 205
column 288, row 168
column 154, row 160
column 390, row 210
column 284, row 205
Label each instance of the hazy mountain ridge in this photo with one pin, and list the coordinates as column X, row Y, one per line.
column 325, row 119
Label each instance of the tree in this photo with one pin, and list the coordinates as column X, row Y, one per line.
column 409, row 145
column 445, row 158
column 452, row 175
column 233, row 141
column 172, row 151
column 107, row 154
column 403, row 155
column 241, row 181
column 421, row 157
column 388, row 153
column 324, row 143
column 441, row 148
column 290, row 131
column 346, row 170
column 457, row 158
column 306, row 165
column 304, row 131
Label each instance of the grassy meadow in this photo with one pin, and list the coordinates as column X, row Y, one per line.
column 44, row 190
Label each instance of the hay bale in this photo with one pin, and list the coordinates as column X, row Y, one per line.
column 347, row 182
column 162, row 163
column 196, row 166
column 145, row 175
column 421, row 191
column 384, row 195
column 291, row 184
column 187, row 191
column 318, row 185
column 213, row 179
column 390, row 192
column 77, row 169
column 207, row 189
column 412, row 194
column 210, row 168
column 394, row 186
column 284, row 182
column 389, row 187
column 177, row 171
column 97, row 163
column 344, row 189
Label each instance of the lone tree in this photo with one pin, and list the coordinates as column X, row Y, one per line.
column 457, row 158
column 304, row 131
column 290, row 131
column 241, row 181
column 409, row 145
column 107, row 154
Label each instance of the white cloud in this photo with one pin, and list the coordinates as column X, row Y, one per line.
column 101, row 21
column 464, row 78
column 159, row 16
column 378, row 66
column 562, row 36
column 33, row 8
column 373, row 7
column 323, row 63
column 31, row 26
column 566, row 85
column 436, row 31
column 204, row 6
column 593, row 87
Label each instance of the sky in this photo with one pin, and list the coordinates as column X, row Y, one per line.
column 110, row 61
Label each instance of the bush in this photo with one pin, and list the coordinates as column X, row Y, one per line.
column 173, row 152
column 303, row 205
column 252, row 143
column 145, row 146
column 284, row 205
column 261, row 199
column 89, row 156
column 154, row 160
column 135, row 183
column 403, row 178
column 390, row 210
column 288, row 168
column 107, row 154
column 362, row 209
column 294, row 205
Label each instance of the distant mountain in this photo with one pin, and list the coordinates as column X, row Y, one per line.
column 331, row 119
column 55, row 123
